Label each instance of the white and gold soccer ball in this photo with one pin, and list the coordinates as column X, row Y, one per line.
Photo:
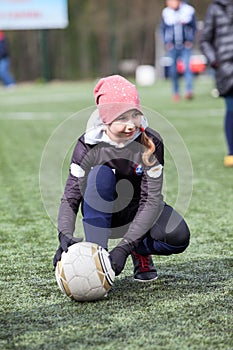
column 84, row 273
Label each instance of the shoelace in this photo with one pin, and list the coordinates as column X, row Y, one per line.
column 143, row 262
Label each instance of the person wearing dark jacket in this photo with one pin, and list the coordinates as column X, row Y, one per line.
column 116, row 177
column 5, row 75
column 216, row 43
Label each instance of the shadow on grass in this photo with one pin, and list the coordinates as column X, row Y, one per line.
column 176, row 282
column 197, row 276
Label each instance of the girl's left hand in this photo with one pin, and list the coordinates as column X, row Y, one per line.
column 118, row 257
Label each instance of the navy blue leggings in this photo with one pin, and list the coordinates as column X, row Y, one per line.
column 229, row 123
column 98, row 205
column 169, row 235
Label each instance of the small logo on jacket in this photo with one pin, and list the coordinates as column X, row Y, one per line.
column 138, row 169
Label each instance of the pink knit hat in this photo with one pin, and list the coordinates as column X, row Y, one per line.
column 114, row 95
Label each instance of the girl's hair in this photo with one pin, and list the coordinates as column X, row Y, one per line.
column 148, row 157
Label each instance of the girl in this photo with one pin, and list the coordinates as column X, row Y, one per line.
column 116, row 174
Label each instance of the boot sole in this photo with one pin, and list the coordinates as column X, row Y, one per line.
column 146, row 281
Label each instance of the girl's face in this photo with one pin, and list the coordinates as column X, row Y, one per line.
column 124, row 127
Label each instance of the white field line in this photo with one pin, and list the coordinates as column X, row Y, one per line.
column 33, row 115
column 197, row 113
column 200, row 113
column 50, row 98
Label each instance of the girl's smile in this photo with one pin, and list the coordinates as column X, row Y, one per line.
column 125, row 126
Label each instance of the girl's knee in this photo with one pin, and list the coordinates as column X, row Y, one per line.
column 183, row 234
column 102, row 177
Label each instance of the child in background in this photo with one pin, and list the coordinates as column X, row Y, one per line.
column 178, row 34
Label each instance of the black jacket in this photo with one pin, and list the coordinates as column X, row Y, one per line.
column 216, row 42
column 146, row 203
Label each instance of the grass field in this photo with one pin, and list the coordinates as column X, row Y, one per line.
column 189, row 306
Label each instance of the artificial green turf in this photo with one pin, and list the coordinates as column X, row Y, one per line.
column 188, row 307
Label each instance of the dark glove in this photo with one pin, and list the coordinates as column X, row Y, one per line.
column 66, row 240
column 119, row 255
column 214, row 65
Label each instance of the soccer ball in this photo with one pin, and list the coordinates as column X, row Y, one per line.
column 84, row 273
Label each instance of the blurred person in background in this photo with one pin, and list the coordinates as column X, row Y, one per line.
column 178, row 33
column 5, row 75
column 216, row 44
